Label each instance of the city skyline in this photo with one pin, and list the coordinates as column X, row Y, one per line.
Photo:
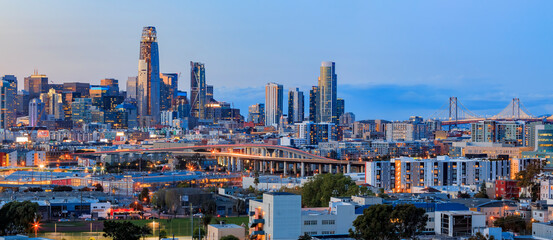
column 437, row 59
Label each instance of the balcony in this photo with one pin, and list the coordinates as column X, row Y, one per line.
column 258, row 233
column 257, row 221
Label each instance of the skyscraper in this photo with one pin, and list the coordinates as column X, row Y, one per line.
column 148, row 85
column 82, row 88
column 53, row 104
column 314, row 104
column 256, row 113
column 198, row 90
column 35, row 112
column 295, row 106
column 36, row 84
column 169, row 88
column 340, row 107
column 273, row 103
column 113, row 85
column 327, row 93
column 8, row 90
column 131, row 87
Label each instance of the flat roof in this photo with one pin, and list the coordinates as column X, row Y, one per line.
column 225, row 225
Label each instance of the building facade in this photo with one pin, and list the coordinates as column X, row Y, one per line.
column 148, row 85
column 273, row 103
column 327, row 93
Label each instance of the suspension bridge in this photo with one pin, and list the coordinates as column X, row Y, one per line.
column 454, row 113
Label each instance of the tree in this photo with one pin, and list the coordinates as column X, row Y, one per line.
column 482, row 193
column 511, row 223
column 136, row 206
column 409, row 220
column 197, row 232
column 387, row 222
column 98, row 187
column 62, row 189
column 17, row 217
column 125, row 230
column 317, row 192
column 463, row 195
column 162, row 234
column 526, row 178
column 480, row 236
column 144, row 195
column 230, row 237
column 206, row 220
column 256, row 181
column 305, row 236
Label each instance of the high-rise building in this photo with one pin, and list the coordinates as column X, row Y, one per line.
column 36, row 84
column 8, row 91
column 68, row 98
column 273, row 103
column 131, row 87
column 198, row 90
column 112, row 84
column 22, row 102
column 148, row 85
column 314, row 104
column 483, row 131
column 295, row 106
column 327, row 93
column 53, row 104
column 82, row 88
column 36, row 112
column 209, row 92
column 97, row 93
column 181, row 105
column 256, row 113
column 81, row 113
column 169, row 89
column 340, row 107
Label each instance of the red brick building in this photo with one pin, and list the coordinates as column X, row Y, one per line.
column 507, row 189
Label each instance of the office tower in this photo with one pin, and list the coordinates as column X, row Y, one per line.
column 22, row 100
column 314, row 104
column 273, row 103
column 36, row 112
column 82, row 88
column 169, row 88
column 209, row 92
column 68, row 98
column 112, row 84
column 81, row 110
column 128, row 115
column 256, row 113
column 57, row 87
column 181, row 105
column 148, row 85
column 53, row 104
column 97, row 93
column 36, row 84
column 131, row 87
column 295, row 106
column 198, row 90
column 340, row 107
column 327, row 93
column 8, row 90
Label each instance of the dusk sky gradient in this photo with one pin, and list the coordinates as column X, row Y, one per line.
column 394, row 59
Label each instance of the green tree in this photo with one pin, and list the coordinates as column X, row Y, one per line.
column 197, row 232
column 125, row 230
column 511, row 223
column 256, row 181
column 230, row 237
column 482, row 193
column 144, row 195
column 62, row 189
column 17, row 217
column 162, row 234
column 305, row 236
column 206, row 220
column 527, row 177
column 136, row 206
column 98, row 187
column 480, row 236
column 317, row 192
column 390, row 223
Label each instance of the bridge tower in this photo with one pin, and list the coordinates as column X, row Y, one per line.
column 453, row 111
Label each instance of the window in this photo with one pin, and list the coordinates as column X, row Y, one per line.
column 327, row 232
column 328, row 222
column 310, row 222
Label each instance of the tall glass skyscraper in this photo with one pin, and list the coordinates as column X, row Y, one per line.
column 169, row 89
column 198, row 90
column 8, row 89
column 327, row 93
column 295, row 106
column 273, row 103
column 148, row 85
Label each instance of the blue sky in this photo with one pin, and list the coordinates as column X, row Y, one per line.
column 394, row 59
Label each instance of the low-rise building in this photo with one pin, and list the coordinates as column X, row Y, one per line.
column 217, row 231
